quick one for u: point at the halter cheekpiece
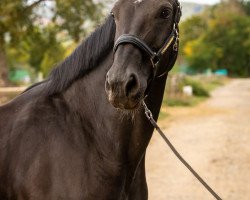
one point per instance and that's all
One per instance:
(155, 56)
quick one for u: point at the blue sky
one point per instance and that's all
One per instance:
(202, 1)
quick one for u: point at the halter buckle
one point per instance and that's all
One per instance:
(155, 59)
(175, 46)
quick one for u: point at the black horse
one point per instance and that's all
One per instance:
(82, 133)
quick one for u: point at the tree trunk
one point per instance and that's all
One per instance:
(4, 81)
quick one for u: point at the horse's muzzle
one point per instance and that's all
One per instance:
(125, 92)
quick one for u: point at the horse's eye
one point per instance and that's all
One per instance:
(165, 13)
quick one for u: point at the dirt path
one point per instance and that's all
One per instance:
(214, 138)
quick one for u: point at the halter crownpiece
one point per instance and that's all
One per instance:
(154, 56)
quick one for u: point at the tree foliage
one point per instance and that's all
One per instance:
(72, 14)
(33, 32)
(41, 50)
(219, 38)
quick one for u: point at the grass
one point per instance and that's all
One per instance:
(163, 115)
(210, 86)
(199, 88)
(183, 101)
(202, 88)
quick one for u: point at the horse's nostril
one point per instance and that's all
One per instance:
(107, 84)
(107, 76)
(131, 85)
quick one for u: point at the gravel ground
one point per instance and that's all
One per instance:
(214, 138)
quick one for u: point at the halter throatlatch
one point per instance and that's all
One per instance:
(154, 56)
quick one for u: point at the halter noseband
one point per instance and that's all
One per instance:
(154, 56)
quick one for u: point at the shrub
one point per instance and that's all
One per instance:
(198, 89)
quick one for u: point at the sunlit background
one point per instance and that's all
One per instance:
(214, 54)
(35, 35)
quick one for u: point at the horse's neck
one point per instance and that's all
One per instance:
(143, 129)
(123, 133)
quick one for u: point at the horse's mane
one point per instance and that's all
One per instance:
(84, 59)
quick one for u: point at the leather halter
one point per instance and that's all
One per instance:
(154, 56)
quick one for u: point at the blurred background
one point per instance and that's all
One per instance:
(206, 108)
(37, 34)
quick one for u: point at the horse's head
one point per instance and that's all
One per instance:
(146, 45)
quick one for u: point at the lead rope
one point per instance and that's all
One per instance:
(149, 115)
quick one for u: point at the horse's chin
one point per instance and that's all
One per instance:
(130, 107)
(125, 104)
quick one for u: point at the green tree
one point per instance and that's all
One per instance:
(233, 39)
(191, 29)
(71, 15)
(13, 21)
(221, 42)
(246, 6)
(40, 50)
(20, 18)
